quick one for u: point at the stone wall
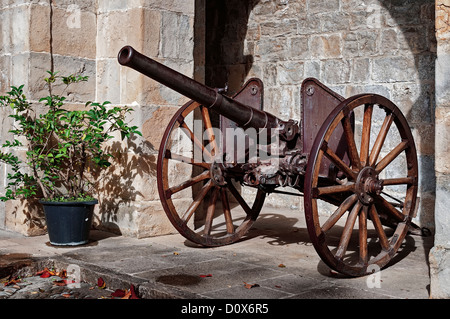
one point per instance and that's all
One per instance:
(72, 36)
(440, 254)
(353, 46)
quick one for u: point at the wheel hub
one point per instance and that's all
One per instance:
(217, 174)
(368, 185)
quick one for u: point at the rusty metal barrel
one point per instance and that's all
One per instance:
(243, 115)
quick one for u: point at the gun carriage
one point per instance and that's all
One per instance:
(353, 159)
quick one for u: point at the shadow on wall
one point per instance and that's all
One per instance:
(226, 30)
(123, 183)
(421, 115)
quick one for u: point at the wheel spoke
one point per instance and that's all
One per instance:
(195, 140)
(334, 189)
(210, 211)
(380, 139)
(365, 136)
(378, 227)
(227, 211)
(349, 135)
(185, 159)
(188, 183)
(331, 155)
(209, 130)
(363, 249)
(391, 156)
(339, 212)
(347, 232)
(239, 198)
(388, 208)
(198, 199)
(398, 181)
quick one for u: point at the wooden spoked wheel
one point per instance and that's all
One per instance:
(203, 202)
(375, 184)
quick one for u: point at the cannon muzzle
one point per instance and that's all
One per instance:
(243, 115)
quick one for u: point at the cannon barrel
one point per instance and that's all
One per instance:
(243, 115)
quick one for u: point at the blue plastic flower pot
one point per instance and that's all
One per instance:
(68, 223)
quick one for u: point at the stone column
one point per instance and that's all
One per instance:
(163, 30)
(440, 254)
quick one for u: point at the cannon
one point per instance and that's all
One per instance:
(352, 159)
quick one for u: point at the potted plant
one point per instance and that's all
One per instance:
(63, 149)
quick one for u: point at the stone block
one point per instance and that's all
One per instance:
(333, 21)
(5, 73)
(290, 73)
(159, 119)
(442, 19)
(108, 81)
(415, 100)
(360, 71)
(138, 27)
(336, 71)
(442, 138)
(177, 35)
(308, 24)
(139, 220)
(40, 63)
(389, 42)
(427, 179)
(326, 46)
(319, 6)
(439, 258)
(74, 33)
(181, 6)
(19, 26)
(394, 69)
(312, 69)
(272, 49)
(111, 35)
(298, 48)
(424, 136)
(153, 221)
(40, 28)
(25, 217)
(442, 79)
(283, 27)
(442, 218)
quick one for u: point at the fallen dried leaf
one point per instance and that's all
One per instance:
(66, 295)
(101, 283)
(127, 295)
(46, 273)
(62, 274)
(133, 292)
(119, 293)
(249, 286)
(13, 281)
(175, 253)
(59, 282)
(282, 266)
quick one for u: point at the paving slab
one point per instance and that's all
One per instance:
(276, 257)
